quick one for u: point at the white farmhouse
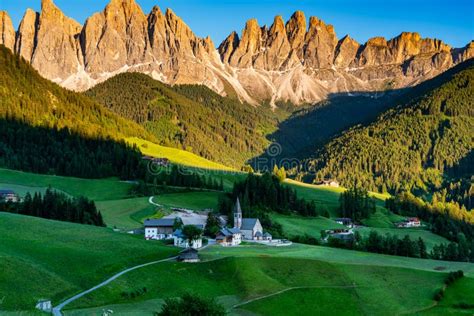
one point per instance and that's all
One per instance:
(159, 228)
(181, 241)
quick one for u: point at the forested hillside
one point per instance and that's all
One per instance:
(414, 146)
(47, 129)
(27, 97)
(190, 117)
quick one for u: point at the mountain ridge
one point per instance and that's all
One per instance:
(299, 61)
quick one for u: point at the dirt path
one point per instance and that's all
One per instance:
(294, 288)
(150, 200)
(57, 310)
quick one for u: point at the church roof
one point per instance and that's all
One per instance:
(248, 223)
(229, 231)
(163, 222)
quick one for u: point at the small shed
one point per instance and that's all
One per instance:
(189, 255)
(44, 305)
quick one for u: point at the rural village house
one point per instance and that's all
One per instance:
(341, 234)
(181, 241)
(8, 196)
(189, 255)
(159, 228)
(409, 222)
(229, 237)
(344, 221)
(329, 183)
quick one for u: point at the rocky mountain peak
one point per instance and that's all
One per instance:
(227, 47)
(300, 61)
(56, 37)
(296, 29)
(278, 25)
(346, 51)
(249, 44)
(7, 32)
(320, 45)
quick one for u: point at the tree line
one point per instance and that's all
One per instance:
(64, 152)
(447, 219)
(56, 206)
(267, 193)
(356, 204)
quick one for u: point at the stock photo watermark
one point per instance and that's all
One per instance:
(273, 156)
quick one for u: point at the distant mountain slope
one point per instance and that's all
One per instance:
(190, 117)
(27, 97)
(411, 146)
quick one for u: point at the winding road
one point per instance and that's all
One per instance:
(150, 200)
(57, 310)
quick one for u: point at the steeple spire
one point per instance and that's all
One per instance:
(237, 215)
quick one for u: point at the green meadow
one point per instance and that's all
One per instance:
(198, 200)
(176, 156)
(269, 285)
(42, 259)
(98, 190)
(335, 255)
(126, 213)
(298, 225)
(429, 238)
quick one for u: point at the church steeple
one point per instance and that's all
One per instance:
(237, 215)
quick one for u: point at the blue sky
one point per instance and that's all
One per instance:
(451, 21)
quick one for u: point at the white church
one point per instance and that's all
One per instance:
(250, 228)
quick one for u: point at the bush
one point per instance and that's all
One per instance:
(190, 305)
(439, 295)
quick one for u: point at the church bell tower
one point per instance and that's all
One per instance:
(237, 215)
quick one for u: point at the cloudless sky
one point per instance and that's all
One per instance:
(449, 20)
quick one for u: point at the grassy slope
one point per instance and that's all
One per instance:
(376, 288)
(130, 213)
(99, 190)
(335, 255)
(176, 156)
(297, 225)
(21, 190)
(461, 292)
(326, 197)
(62, 258)
(191, 200)
(429, 238)
(126, 213)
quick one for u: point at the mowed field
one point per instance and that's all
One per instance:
(42, 259)
(293, 280)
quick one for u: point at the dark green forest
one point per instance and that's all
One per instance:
(63, 152)
(190, 117)
(417, 146)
